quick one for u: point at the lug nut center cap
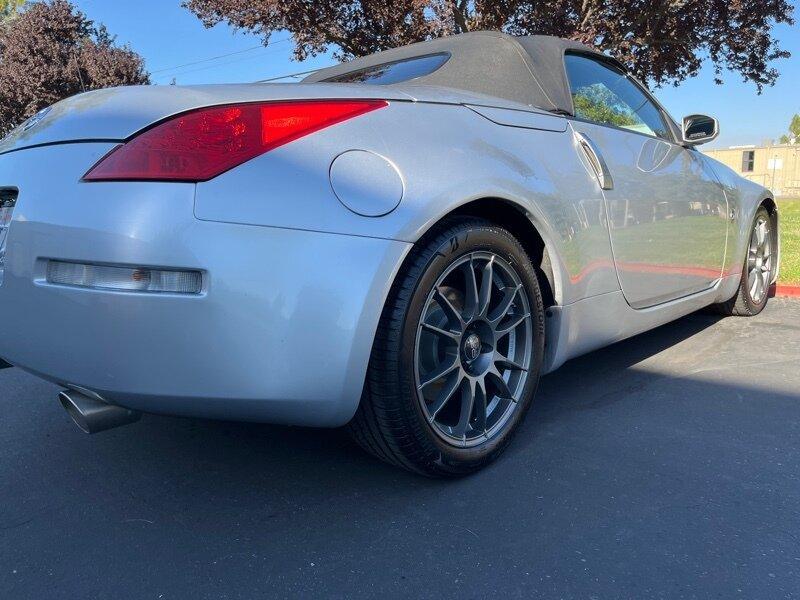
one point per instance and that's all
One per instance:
(472, 347)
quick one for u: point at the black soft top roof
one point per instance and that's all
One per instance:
(525, 69)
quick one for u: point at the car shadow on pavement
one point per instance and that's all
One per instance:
(250, 455)
(644, 458)
(289, 452)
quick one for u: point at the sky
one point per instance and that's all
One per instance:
(175, 44)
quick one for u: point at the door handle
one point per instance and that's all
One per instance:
(595, 158)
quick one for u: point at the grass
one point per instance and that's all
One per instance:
(789, 211)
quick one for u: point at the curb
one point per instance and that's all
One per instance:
(788, 291)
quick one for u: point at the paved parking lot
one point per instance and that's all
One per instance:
(665, 466)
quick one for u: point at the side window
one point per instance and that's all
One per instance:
(748, 161)
(394, 72)
(603, 94)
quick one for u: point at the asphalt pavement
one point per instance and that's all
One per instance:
(666, 466)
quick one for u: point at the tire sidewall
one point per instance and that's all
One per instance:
(471, 238)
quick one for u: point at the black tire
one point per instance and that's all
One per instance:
(743, 304)
(390, 422)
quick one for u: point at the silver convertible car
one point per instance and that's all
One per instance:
(402, 244)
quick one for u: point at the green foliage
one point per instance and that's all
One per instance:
(662, 41)
(9, 8)
(794, 126)
(50, 51)
(597, 103)
(793, 137)
(790, 241)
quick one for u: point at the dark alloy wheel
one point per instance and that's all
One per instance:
(760, 257)
(458, 352)
(473, 348)
(759, 268)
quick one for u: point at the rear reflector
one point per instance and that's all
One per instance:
(202, 144)
(124, 279)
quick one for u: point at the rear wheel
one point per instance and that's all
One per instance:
(758, 270)
(457, 355)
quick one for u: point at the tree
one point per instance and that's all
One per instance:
(662, 41)
(794, 132)
(597, 103)
(51, 51)
(9, 8)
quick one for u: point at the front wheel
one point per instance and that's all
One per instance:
(758, 271)
(457, 355)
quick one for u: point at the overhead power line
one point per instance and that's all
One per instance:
(207, 67)
(213, 58)
(289, 76)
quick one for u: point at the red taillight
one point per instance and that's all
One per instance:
(202, 144)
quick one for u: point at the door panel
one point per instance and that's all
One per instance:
(667, 216)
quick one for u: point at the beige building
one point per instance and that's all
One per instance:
(775, 167)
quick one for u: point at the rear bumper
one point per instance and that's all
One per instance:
(281, 332)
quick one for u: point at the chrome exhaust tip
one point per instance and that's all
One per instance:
(92, 415)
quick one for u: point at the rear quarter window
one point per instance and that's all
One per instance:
(394, 72)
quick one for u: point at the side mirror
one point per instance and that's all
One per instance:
(699, 129)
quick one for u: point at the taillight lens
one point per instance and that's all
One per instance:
(202, 144)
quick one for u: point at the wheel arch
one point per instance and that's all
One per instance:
(521, 224)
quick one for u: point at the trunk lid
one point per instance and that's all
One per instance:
(116, 114)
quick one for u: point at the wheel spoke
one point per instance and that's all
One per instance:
(450, 311)
(445, 394)
(505, 304)
(752, 256)
(752, 282)
(471, 299)
(451, 335)
(754, 242)
(480, 406)
(756, 295)
(507, 363)
(485, 294)
(467, 404)
(444, 369)
(516, 321)
(499, 383)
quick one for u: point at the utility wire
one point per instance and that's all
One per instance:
(197, 62)
(207, 67)
(212, 58)
(290, 75)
